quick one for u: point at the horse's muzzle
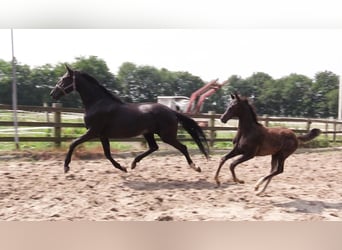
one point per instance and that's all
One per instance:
(223, 119)
(55, 94)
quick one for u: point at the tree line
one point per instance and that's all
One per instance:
(294, 95)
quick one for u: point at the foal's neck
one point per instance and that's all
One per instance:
(247, 120)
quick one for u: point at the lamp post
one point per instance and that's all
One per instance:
(14, 95)
(340, 100)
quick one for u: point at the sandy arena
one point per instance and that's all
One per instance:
(164, 188)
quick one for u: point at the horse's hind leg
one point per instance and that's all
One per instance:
(182, 148)
(106, 150)
(152, 147)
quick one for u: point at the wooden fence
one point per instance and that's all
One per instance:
(331, 128)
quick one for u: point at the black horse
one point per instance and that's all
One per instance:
(107, 116)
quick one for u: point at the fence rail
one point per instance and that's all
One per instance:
(330, 127)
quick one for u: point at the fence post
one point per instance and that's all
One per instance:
(45, 105)
(266, 122)
(57, 121)
(308, 125)
(212, 125)
(335, 130)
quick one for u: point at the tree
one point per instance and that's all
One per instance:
(145, 83)
(44, 79)
(186, 83)
(293, 95)
(140, 84)
(271, 99)
(97, 68)
(296, 95)
(325, 89)
(5, 82)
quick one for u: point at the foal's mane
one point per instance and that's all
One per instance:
(251, 108)
(94, 81)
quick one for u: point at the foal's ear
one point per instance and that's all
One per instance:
(70, 71)
(237, 97)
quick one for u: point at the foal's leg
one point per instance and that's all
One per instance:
(152, 147)
(232, 166)
(106, 150)
(274, 164)
(278, 170)
(232, 153)
(86, 137)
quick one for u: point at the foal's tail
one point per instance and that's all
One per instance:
(309, 136)
(195, 131)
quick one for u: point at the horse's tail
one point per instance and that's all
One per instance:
(195, 131)
(309, 136)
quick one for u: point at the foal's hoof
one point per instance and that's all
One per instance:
(193, 166)
(260, 193)
(134, 164)
(66, 169)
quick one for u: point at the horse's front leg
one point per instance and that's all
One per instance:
(86, 137)
(106, 150)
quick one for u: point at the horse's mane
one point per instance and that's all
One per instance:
(251, 108)
(93, 80)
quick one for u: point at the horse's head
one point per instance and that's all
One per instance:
(65, 85)
(233, 108)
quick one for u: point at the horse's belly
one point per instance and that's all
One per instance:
(125, 133)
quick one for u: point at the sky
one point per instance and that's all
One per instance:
(210, 39)
(207, 53)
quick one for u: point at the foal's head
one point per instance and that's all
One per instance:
(237, 107)
(65, 85)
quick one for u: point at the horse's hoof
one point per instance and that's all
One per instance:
(66, 169)
(239, 181)
(123, 169)
(193, 166)
(133, 165)
(218, 183)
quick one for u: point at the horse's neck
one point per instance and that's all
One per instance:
(91, 93)
(247, 121)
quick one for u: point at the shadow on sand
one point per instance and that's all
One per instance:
(307, 206)
(170, 184)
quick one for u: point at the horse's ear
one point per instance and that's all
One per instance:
(70, 71)
(232, 96)
(237, 97)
